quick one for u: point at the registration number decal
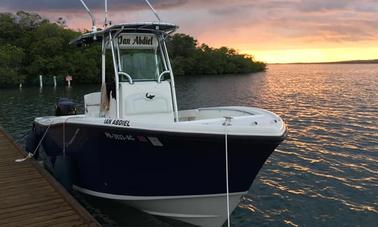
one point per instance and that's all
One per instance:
(141, 139)
(120, 137)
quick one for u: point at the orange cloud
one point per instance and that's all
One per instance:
(271, 30)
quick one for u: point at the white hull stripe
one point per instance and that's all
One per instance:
(126, 197)
(174, 215)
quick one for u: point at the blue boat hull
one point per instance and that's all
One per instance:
(134, 162)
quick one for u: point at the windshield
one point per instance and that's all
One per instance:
(141, 64)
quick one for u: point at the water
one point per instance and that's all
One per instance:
(324, 174)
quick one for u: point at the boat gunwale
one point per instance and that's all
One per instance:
(277, 138)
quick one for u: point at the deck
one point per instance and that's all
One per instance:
(29, 196)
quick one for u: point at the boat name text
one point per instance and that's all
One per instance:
(137, 40)
(117, 122)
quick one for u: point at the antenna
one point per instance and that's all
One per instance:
(153, 10)
(106, 13)
(94, 29)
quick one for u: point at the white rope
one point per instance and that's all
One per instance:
(226, 123)
(227, 185)
(30, 155)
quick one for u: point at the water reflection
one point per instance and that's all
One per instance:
(328, 164)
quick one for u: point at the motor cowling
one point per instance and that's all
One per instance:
(65, 106)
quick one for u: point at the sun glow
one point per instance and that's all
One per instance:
(314, 55)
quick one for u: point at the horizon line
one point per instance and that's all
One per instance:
(357, 61)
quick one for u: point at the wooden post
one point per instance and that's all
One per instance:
(40, 81)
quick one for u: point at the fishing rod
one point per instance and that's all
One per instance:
(153, 10)
(94, 28)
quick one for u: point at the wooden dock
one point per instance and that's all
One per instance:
(30, 196)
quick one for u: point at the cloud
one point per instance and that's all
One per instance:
(311, 20)
(59, 5)
(323, 5)
(243, 24)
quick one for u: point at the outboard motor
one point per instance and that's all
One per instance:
(65, 106)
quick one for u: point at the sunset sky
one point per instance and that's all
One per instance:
(274, 31)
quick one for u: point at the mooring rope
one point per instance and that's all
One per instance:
(227, 185)
(30, 155)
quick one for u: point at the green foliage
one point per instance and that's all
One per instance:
(191, 59)
(10, 65)
(31, 46)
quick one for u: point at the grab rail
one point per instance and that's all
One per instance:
(127, 76)
(161, 75)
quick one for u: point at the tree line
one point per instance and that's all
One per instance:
(189, 58)
(31, 45)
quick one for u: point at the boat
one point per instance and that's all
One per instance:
(134, 146)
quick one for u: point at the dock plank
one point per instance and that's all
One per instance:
(31, 197)
(48, 205)
(37, 215)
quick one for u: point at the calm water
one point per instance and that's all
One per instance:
(325, 173)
